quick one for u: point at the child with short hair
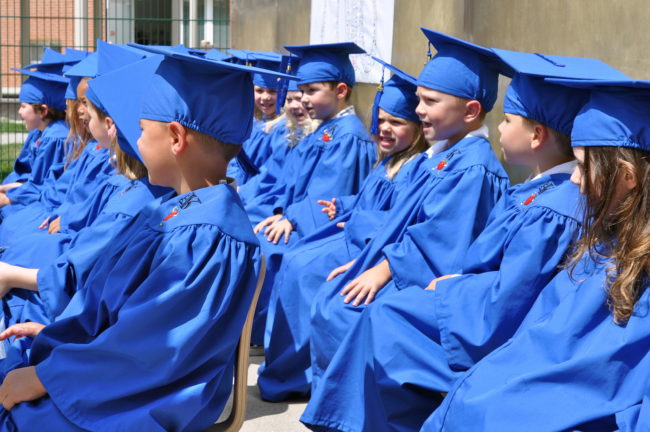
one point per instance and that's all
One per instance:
(42, 108)
(472, 313)
(184, 270)
(448, 204)
(331, 161)
(580, 356)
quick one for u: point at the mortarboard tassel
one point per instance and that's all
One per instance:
(246, 164)
(374, 125)
(283, 86)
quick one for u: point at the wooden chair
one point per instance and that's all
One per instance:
(236, 418)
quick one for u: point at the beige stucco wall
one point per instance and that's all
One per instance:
(611, 30)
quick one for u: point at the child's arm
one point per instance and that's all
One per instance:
(16, 277)
(329, 208)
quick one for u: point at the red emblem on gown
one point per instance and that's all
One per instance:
(97, 147)
(327, 137)
(38, 143)
(441, 165)
(530, 199)
(173, 213)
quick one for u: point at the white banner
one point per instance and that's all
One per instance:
(368, 23)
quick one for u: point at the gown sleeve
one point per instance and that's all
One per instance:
(476, 313)
(437, 245)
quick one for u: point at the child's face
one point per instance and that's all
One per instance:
(155, 149)
(442, 114)
(82, 106)
(319, 99)
(395, 133)
(99, 128)
(295, 108)
(265, 100)
(515, 138)
(32, 119)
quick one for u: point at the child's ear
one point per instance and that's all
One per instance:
(627, 176)
(342, 90)
(178, 135)
(44, 111)
(110, 127)
(539, 133)
(472, 110)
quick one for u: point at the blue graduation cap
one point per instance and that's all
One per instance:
(215, 54)
(109, 57)
(396, 96)
(261, 59)
(121, 92)
(553, 105)
(615, 115)
(461, 69)
(53, 61)
(217, 100)
(43, 88)
(326, 62)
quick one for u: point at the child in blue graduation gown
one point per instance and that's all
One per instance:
(52, 62)
(580, 357)
(182, 271)
(286, 370)
(258, 146)
(42, 107)
(331, 161)
(469, 315)
(450, 201)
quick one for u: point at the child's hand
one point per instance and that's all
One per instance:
(341, 225)
(6, 187)
(27, 329)
(433, 283)
(330, 207)
(277, 230)
(4, 200)
(340, 270)
(55, 226)
(44, 224)
(367, 284)
(21, 385)
(266, 222)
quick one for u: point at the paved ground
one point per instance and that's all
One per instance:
(269, 417)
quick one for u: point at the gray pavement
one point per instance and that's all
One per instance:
(265, 416)
(12, 138)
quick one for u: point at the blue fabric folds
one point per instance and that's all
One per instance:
(183, 273)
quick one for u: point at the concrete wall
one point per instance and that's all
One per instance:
(611, 30)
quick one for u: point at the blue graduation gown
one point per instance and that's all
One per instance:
(568, 367)
(48, 155)
(635, 418)
(334, 161)
(76, 183)
(286, 370)
(156, 325)
(62, 256)
(461, 186)
(74, 215)
(271, 169)
(23, 163)
(258, 148)
(438, 334)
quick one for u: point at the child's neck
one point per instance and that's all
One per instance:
(44, 124)
(545, 164)
(340, 106)
(463, 133)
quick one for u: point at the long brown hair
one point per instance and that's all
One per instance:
(78, 133)
(622, 236)
(419, 145)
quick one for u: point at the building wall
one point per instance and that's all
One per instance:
(611, 30)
